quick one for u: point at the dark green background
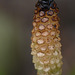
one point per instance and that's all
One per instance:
(15, 32)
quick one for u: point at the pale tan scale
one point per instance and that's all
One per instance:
(57, 60)
(41, 27)
(50, 13)
(42, 13)
(41, 63)
(46, 62)
(59, 65)
(32, 44)
(47, 69)
(33, 52)
(60, 57)
(57, 39)
(40, 68)
(34, 24)
(34, 39)
(55, 53)
(35, 28)
(37, 19)
(45, 19)
(50, 26)
(43, 48)
(35, 11)
(57, 73)
(36, 46)
(38, 34)
(58, 45)
(52, 61)
(40, 54)
(45, 33)
(51, 47)
(53, 67)
(49, 54)
(33, 31)
(40, 41)
(53, 33)
(48, 40)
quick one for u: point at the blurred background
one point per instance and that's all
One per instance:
(16, 18)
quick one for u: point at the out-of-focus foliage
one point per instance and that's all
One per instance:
(72, 72)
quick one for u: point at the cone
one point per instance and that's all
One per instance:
(46, 46)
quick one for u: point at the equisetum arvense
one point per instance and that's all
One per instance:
(46, 46)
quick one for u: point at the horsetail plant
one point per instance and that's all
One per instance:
(46, 46)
